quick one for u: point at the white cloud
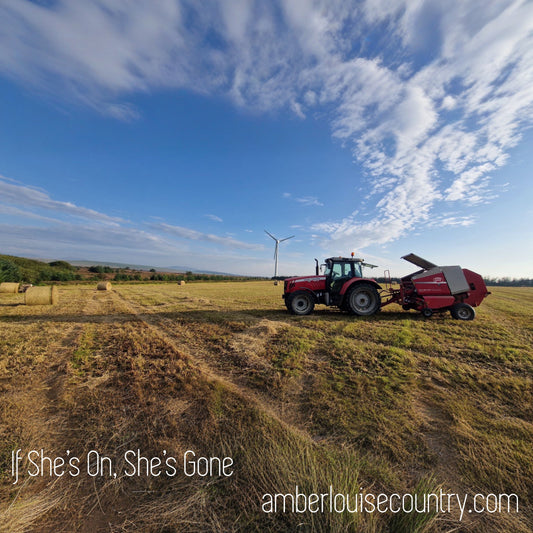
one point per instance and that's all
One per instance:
(449, 102)
(451, 220)
(388, 84)
(193, 235)
(461, 188)
(309, 201)
(80, 232)
(402, 140)
(304, 200)
(110, 45)
(214, 218)
(71, 230)
(236, 16)
(69, 240)
(12, 211)
(14, 193)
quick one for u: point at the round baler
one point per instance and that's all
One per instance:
(439, 289)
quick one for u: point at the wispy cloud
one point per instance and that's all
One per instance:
(309, 201)
(305, 200)
(12, 211)
(84, 242)
(85, 231)
(214, 218)
(17, 194)
(70, 230)
(428, 114)
(193, 235)
(451, 220)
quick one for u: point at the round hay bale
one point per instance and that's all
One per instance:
(181, 282)
(104, 286)
(11, 288)
(41, 295)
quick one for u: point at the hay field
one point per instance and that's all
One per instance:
(393, 403)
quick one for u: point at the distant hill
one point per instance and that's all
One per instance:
(124, 265)
(179, 269)
(199, 271)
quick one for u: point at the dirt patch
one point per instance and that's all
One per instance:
(435, 433)
(250, 346)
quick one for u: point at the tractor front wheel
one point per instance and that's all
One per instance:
(363, 299)
(462, 311)
(301, 303)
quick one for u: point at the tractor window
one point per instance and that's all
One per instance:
(357, 270)
(341, 270)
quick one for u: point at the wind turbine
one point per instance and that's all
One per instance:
(276, 250)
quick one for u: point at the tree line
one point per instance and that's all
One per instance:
(19, 269)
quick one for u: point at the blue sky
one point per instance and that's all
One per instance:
(174, 133)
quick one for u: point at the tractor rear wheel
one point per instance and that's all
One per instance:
(462, 311)
(363, 299)
(301, 303)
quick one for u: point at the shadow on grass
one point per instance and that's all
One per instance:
(218, 316)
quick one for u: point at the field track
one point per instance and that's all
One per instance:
(392, 402)
(184, 338)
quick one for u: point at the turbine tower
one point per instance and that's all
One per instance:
(276, 250)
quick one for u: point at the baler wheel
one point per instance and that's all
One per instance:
(462, 311)
(301, 303)
(427, 312)
(363, 299)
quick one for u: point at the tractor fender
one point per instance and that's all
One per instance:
(350, 283)
(304, 289)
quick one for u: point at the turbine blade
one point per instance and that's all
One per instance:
(287, 238)
(270, 234)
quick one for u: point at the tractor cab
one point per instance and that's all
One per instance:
(338, 271)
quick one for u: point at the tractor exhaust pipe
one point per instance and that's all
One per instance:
(317, 269)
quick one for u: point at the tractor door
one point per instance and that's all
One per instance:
(337, 274)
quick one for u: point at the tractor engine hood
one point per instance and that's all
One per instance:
(312, 283)
(305, 279)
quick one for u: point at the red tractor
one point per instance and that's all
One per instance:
(342, 285)
(429, 290)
